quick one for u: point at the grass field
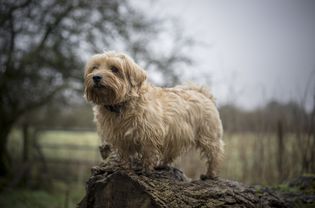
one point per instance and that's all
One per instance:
(57, 192)
(249, 157)
(62, 138)
(83, 139)
(238, 150)
(242, 153)
(59, 195)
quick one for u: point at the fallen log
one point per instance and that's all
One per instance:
(110, 185)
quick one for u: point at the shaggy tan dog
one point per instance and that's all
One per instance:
(151, 123)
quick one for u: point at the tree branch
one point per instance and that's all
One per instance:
(51, 26)
(35, 104)
(11, 43)
(10, 11)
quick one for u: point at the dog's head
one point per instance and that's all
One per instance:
(111, 78)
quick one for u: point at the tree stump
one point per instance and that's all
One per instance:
(113, 186)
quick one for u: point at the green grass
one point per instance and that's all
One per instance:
(60, 138)
(31, 199)
(75, 138)
(249, 157)
(68, 137)
(242, 153)
(60, 195)
(50, 192)
(237, 153)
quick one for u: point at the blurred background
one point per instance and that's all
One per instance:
(257, 57)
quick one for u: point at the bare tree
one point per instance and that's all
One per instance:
(42, 44)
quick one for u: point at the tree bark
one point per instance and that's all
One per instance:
(113, 186)
(280, 150)
(5, 128)
(26, 142)
(26, 167)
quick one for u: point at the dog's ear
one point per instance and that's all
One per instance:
(135, 73)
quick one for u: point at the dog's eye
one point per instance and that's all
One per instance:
(114, 69)
(94, 67)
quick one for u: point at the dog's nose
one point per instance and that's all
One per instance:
(97, 78)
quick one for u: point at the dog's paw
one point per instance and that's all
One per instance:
(162, 167)
(207, 177)
(139, 171)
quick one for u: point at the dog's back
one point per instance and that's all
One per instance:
(200, 89)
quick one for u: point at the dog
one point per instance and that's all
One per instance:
(152, 124)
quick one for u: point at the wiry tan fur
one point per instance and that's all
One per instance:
(155, 124)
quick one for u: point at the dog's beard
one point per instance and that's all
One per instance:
(101, 94)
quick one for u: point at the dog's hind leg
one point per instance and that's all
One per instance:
(212, 151)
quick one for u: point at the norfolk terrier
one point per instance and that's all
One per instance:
(151, 123)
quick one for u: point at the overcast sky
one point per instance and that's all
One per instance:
(255, 50)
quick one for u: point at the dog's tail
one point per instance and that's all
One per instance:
(201, 89)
